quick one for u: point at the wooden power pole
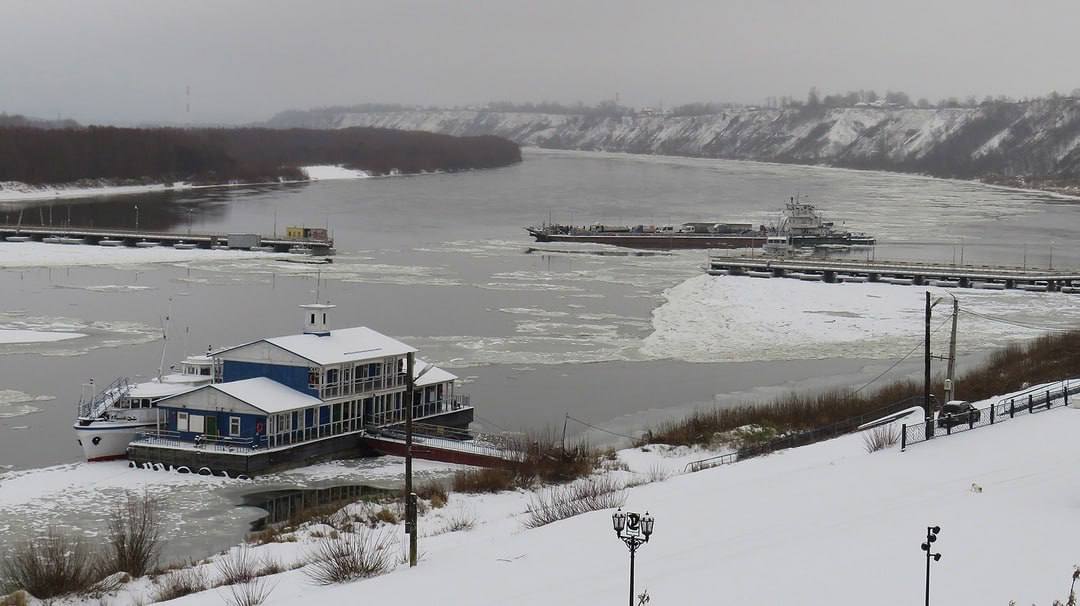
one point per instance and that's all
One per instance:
(410, 496)
(928, 416)
(950, 381)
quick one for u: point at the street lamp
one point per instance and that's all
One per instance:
(931, 536)
(634, 530)
(136, 217)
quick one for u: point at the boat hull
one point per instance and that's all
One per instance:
(105, 441)
(672, 241)
(662, 242)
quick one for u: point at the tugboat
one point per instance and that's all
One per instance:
(110, 419)
(800, 222)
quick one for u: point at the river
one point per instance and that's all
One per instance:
(441, 261)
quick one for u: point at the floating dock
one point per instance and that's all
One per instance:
(898, 272)
(317, 244)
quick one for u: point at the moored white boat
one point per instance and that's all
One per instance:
(108, 242)
(110, 419)
(17, 238)
(146, 244)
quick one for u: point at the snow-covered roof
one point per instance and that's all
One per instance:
(343, 345)
(266, 394)
(431, 377)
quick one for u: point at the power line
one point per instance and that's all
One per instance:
(590, 425)
(906, 356)
(1016, 323)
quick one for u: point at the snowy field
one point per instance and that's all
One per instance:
(734, 318)
(40, 254)
(824, 524)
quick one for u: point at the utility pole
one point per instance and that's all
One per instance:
(410, 496)
(950, 381)
(927, 414)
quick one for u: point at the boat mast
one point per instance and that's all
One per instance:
(164, 340)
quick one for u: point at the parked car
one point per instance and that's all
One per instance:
(958, 412)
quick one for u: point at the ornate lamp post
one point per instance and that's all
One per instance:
(931, 536)
(634, 530)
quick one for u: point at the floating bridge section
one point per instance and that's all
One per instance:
(123, 237)
(898, 272)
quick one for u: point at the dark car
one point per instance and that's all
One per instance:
(958, 412)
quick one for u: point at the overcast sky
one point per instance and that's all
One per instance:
(129, 61)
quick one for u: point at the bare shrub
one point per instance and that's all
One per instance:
(574, 499)
(270, 534)
(270, 566)
(180, 583)
(881, 437)
(49, 566)
(351, 556)
(460, 520)
(434, 492)
(239, 566)
(386, 515)
(251, 593)
(657, 473)
(134, 535)
(483, 480)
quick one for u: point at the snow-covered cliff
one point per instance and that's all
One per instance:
(1033, 139)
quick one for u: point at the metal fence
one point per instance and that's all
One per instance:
(1034, 400)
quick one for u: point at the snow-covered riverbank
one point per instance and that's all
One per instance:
(13, 191)
(828, 523)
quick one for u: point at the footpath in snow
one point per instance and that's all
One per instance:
(823, 524)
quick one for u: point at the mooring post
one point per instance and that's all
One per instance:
(903, 437)
(993, 407)
(1012, 408)
(1031, 403)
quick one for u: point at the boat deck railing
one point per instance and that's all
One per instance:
(174, 439)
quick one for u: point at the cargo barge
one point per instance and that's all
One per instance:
(800, 222)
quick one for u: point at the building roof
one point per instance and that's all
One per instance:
(267, 395)
(343, 345)
(430, 377)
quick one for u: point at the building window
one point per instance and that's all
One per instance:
(196, 423)
(234, 426)
(181, 421)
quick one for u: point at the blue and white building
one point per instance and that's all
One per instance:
(283, 400)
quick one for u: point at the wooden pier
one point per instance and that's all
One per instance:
(898, 272)
(133, 238)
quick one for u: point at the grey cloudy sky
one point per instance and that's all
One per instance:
(129, 61)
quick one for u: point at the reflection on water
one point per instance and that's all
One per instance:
(284, 505)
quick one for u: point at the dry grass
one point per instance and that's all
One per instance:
(881, 437)
(53, 565)
(180, 583)
(251, 593)
(1044, 359)
(240, 565)
(134, 535)
(559, 503)
(15, 599)
(544, 461)
(435, 493)
(483, 480)
(460, 520)
(351, 556)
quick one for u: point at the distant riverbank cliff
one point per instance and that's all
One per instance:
(1034, 144)
(109, 155)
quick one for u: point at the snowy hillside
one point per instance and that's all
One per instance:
(823, 524)
(1039, 138)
